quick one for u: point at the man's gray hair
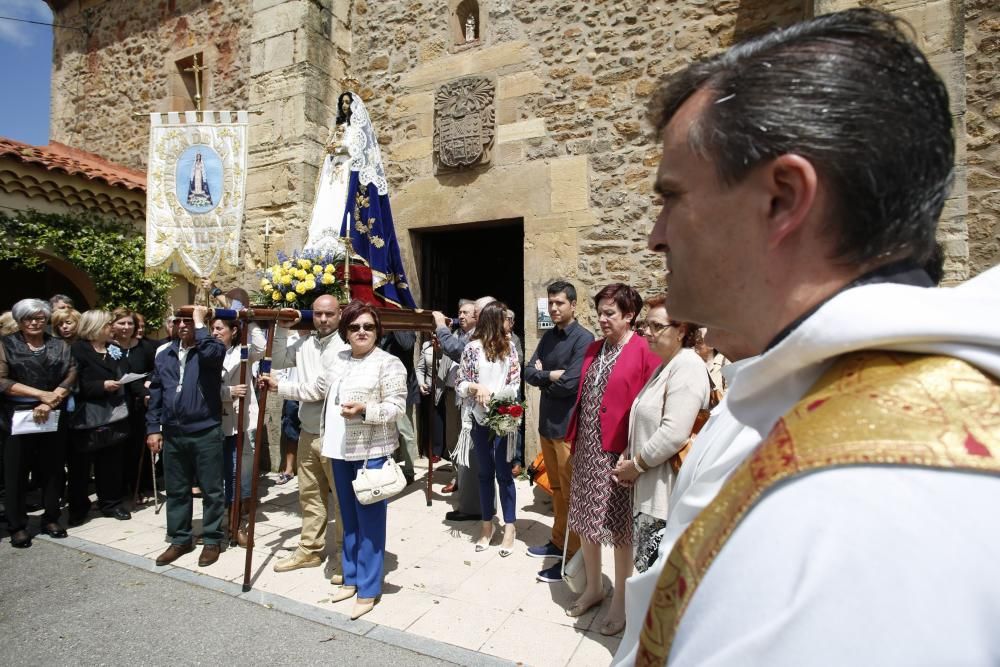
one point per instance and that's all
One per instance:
(56, 298)
(465, 302)
(481, 303)
(510, 315)
(28, 307)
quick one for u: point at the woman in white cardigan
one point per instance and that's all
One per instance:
(363, 392)
(660, 422)
(228, 331)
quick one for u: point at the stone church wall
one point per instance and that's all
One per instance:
(127, 64)
(982, 50)
(573, 81)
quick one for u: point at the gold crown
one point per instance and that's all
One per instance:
(349, 84)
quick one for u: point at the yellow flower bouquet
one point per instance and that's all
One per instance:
(296, 280)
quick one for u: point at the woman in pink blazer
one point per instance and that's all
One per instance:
(614, 371)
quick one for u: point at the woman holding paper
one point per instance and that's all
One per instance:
(138, 356)
(100, 427)
(37, 373)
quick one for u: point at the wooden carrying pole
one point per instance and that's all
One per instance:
(265, 371)
(234, 510)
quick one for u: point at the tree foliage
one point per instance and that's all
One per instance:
(109, 251)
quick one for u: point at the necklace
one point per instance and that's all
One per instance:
(607, 359)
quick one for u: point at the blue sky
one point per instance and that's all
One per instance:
(26, 54)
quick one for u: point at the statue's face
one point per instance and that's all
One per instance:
(345, 104)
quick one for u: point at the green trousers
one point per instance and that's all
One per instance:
(190, 459)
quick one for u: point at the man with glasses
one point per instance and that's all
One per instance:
(310, 354)
(555, 369)
(184, 419)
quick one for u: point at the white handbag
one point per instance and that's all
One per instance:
(374, 484)
(574, 573)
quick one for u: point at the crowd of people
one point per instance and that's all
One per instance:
(846, 414)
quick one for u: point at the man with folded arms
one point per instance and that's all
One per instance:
(555, 369)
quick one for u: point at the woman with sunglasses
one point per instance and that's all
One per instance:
(660, 422)
(364, 391)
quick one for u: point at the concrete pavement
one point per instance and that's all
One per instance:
(437, 588)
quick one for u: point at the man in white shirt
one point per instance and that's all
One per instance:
(809, 167)
(310, 354)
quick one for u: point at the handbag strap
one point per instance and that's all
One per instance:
(565, 549)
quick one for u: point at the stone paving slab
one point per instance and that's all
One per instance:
(437, 587)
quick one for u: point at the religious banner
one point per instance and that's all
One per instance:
(195, 188)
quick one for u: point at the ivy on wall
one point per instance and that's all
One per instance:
(109, 251)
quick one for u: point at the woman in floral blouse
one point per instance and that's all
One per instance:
(489, 369)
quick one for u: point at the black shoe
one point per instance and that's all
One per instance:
(409, 478)
(551, 574)
(54, 530)
(455, 515)
(20, 540)
(118, 513)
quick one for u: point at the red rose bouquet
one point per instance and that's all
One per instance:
(505, 415)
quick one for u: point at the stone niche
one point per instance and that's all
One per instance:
(465, 24)
(464, 124)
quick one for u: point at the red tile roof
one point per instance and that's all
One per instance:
(60, 157)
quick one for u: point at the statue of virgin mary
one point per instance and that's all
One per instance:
(352, 202)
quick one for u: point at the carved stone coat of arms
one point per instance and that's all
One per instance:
(464, 122)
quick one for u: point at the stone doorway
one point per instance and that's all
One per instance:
(471, 260)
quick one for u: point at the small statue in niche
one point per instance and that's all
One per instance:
(470, 28)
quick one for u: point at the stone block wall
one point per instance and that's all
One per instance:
(982, 77)
(573, 81)
(125, 64)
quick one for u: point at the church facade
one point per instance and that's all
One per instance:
(513, 131)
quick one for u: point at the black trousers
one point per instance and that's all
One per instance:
(109, 477)
(45, 455)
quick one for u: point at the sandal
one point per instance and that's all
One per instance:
(285, 478)
(612, 628)
(578, 608)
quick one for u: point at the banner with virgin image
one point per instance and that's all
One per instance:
(195, 187)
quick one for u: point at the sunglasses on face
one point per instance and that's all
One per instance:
(355, 328)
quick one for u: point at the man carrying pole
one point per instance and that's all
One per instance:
(310, 354)
(183, 420)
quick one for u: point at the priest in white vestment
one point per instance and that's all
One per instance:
(808, 169)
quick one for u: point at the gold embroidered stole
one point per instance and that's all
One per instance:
(869, 408)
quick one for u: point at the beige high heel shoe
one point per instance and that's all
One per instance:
(362, 606)
(507, 547)
(343, 593)
(484, 542)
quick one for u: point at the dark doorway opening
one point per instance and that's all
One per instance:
(41, 283)
(470, 261)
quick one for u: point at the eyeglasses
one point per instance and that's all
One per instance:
(655, 327)
(34, 319)
(355, 328)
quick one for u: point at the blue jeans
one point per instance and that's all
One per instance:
(229, 463)
(491, 452)
(363, 551)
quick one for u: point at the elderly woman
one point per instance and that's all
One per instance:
(64, 324)
(490, 367)
(37, 373)
(364, 391)
(100, 426)
(662, 418)
(615, 369)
